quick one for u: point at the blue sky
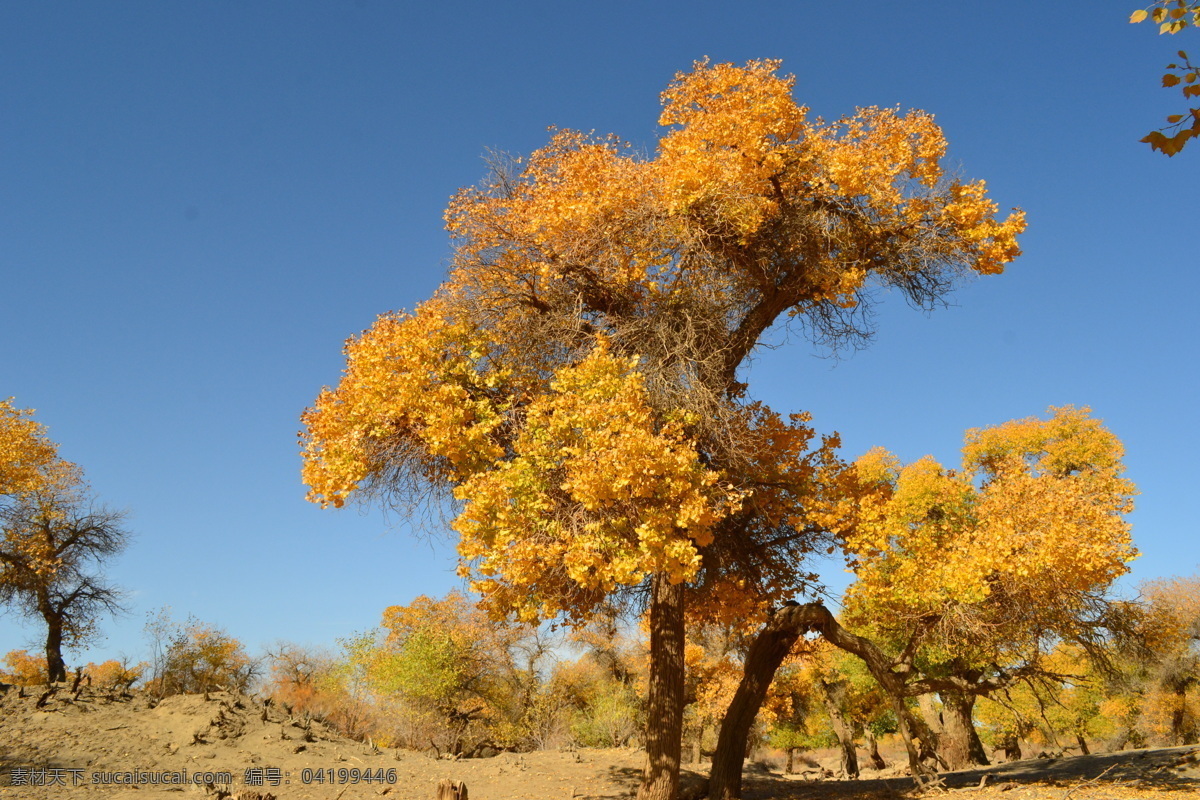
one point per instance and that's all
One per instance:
(202, 200)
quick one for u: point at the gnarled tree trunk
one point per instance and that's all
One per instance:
(929, 712)
(56, 668)
(767, 652)
(664, 726)
(960, 745)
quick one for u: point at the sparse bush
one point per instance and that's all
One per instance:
(196, 657)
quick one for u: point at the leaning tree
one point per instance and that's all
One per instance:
(575, 385)
(965, 580)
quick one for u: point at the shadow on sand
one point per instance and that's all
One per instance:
(1171, 769)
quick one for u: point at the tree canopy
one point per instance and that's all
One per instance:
(55, 543)
(575, 381)
(53, 538)
(985, 562)
(26, 453)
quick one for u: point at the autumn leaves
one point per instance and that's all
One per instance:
(573, 382)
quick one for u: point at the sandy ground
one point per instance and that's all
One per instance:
(98, 746)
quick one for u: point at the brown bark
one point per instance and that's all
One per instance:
(834, 695)
(960, 745)
(929, 713)
(1012, 747)
(56, 668)
(1083, 748)
(766, 653)
(664, 727)
(873, 750)
(451, 790)
(1181, 732)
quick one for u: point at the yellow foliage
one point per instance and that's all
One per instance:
(25, 450)
(593, 487)
(24, 669)
(113, 674)
(32, 475)
(998, 553)
(573, 383)
(201, 658)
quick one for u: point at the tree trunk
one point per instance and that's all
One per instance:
(56, 668)
(908, 736)
(932, 717)
(834, 695)
(664, 727)
(766, 653)
(791, 762)
(1181, 732)
(1012, 747)
(697, 746)
(1083, 748)
(960, 745)
(873, 750)
(451, 790)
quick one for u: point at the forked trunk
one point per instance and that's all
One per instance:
(767, 652)
(960, 745)
(664, 727)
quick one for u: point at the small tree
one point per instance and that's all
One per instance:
(452, 663)
(196, 657)
(298, 676)
(55, 543)
(114, 675)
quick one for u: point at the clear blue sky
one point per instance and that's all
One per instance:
(202, 200)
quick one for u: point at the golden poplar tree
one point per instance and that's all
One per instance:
(575, 384)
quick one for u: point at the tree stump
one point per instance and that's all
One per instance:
(451, 790)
